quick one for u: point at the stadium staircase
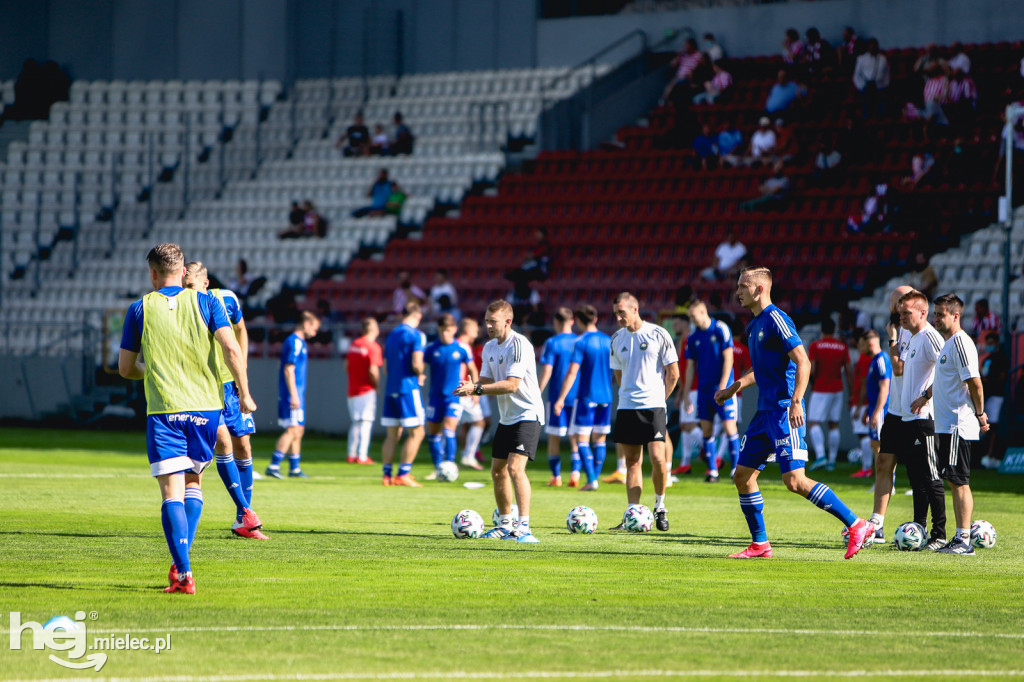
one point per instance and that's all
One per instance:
(639, 217)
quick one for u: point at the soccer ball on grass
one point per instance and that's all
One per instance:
(581, 520)
(638, 518)
(448, 471)
(910, 537)
(983, 534)
(467, 524)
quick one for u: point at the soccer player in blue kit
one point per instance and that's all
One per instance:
(403, 406)
(781, 370)
(590, 371)
(291, 397)
(554, 363)
(709, 350)
(447, 360)
(176, 329)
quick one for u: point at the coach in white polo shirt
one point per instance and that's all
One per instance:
(509, 371)
(959, 414)
(919, 451)
(645, 364)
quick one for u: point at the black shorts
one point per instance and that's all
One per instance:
(520, 438)
(954, 458)
(919, 447)
(893, 436)
(640, 427)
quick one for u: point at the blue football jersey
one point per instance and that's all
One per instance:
(772, 335)
(445, 362)
(593, 353)
(402, 342)
(880, 368)
(557, 353)
(293, 352)
(705, 348)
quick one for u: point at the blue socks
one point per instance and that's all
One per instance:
(577, 462)
(822, 497)
(588, 461)
(734, 450)
(436, 445)
(451, 445)
(555, 464)
(711, 451)
(387, 470)
(193, 510)
(244, 467)
(293, 463)
(600, 452)
(230, 475)
(175, 523)
(752, 505)
(404, 469)
(276, 459)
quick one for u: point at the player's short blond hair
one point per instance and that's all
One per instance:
(626, 297)
(908, 298)
(367, 324)
(194, 271)
(466, 323)
(758, 273)
(166, 258)
(501, 308)
(308, 316)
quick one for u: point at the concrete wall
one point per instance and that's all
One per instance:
(758, 30)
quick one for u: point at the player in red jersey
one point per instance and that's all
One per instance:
(858, 408)
(829, 359)
(362, 364)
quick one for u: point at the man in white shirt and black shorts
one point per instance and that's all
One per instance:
(919, 451)
(645, 364)
(959, 414)
(509, 371)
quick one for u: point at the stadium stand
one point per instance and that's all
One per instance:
(642, 218)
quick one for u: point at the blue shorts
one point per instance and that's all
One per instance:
(403, 409)
(443, 407)
(588, 417)
(770, 438)
(875, 435)
(231, 416)
(181, 441)
(707, 408)
(286, 416)
(558, 424)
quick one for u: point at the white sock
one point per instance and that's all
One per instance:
(818, 442)
(833, 445)
(686, 448)
(473, 436)
(965, 533)
(353, 439)
(867, 455)
(659, 502)
(365, 435)
(878, 520)
(505, 520)
(620, 465)
(524, 522)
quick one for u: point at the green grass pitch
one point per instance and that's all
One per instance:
(361, 582)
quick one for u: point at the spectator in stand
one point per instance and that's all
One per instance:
(959, 61)
(783, 93)
(871, 79)
(984, 320)
(534, 268)
(716, 87)
(295, 220)
(380, 194)
(356, 139)
(936, 94)
(527, 307)
(827, 164)
(762, 143)
(929, 61)
(786, 148)
(994, 366)
(706, 154)
(685, 63)
(924, 278)
(792, 48)
(442, 287)
(849, 49)
(818, 54)
(921, 166)
(405, 291)
(727, 255)
(962, 99)
(874, 215)
(712, 49)
(401, 136)
(313, 224)
(729, 142)
(773, 193)
(380, 145)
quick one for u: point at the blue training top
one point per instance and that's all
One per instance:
(445, 362)
(881, 368)
(293, 352)
(705, 348)
(402, 342)
(557, 353)
(772, 335)
(593, 353)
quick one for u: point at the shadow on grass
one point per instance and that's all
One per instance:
(92, 587)
(65, 534)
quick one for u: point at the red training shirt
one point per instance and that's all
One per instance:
(860, 375)
(830, 356)
(362, 355)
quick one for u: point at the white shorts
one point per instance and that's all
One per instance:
(296, 417)
(472, 412)
(692, 417)
(363, 407)
(825, 407)
(856, 415)
(993, 406)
